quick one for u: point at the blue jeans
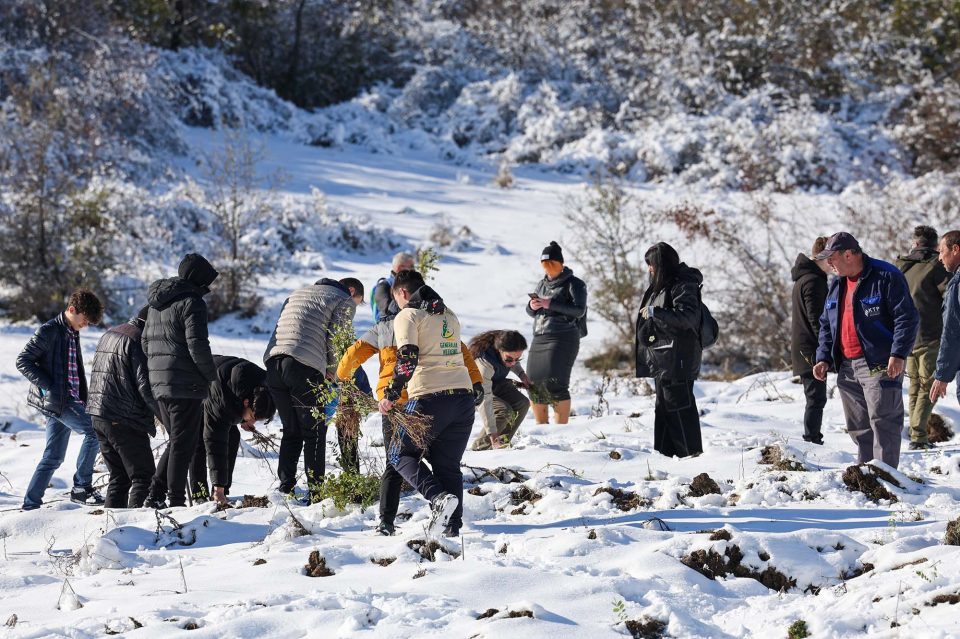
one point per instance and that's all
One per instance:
(74, 418)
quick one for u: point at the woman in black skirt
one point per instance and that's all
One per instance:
(668, 349)
(559, 312)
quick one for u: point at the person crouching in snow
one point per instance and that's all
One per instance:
(239, 397)
(430, 366)
(498, 353)
(379, 340)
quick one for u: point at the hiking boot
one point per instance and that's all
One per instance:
(153, 502)
(386, 529)
(921, 446)
(442, 508)
(86, 496)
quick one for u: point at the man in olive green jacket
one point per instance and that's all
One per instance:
(927, 279)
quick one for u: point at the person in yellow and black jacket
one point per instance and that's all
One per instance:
(430, 366)
(379, 340)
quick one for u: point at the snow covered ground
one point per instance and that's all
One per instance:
(552, 554)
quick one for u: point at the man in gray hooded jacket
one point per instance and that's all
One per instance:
(300, 359)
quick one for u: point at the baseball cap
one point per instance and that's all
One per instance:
(841, 241)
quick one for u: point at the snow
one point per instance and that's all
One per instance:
(569, 557)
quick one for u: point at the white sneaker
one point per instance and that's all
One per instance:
(442, 508)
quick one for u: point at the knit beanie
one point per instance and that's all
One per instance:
(552, 252)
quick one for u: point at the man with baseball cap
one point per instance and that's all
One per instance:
(867, 330)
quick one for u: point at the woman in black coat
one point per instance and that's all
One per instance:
(559, 311)
(668, 349)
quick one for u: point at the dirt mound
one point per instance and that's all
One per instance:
(524, 494)
(952, 538)
(383, 561)
(252, 501)
(773, 456)
(317, 566)
(866, 479)
(429, 549)
(712, 564)
(646, 628)
(623, 499)
(513, 614)
(721, 534)
(702, 485)
(938, 429)
(947, 599)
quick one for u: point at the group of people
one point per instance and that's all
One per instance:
(159, 366)
(873, 323)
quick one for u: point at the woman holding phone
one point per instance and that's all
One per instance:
(559, 311)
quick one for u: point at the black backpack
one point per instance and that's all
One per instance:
(709, 329)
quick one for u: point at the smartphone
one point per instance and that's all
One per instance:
(533, 296)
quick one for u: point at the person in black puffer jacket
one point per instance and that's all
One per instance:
(559, 309)
(123, 408)
(181, 368)
(668, 349)
(809, 295)
(239, 397)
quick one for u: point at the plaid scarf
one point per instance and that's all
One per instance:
(73, 372)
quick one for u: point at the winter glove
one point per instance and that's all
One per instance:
(477, 394)
(646, 312)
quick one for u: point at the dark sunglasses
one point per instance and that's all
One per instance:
(510, 360)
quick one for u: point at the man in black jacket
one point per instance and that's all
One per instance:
(53, 364)
(181, 369)
(239, 396)
(122, 407)
(809, 294)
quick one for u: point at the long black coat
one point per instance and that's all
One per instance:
(43, 362)
(176, 342)
(119, 381)
(568, 304)
(809, 295)
(667, 345)
(223, 410)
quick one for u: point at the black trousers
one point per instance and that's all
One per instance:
(183, 419)
(217, 450)
(294, 389)
(676, 425)
(126, 451)
(391, 481)
(452, 419)
(816, 394)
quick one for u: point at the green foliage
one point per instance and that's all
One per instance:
(349, 488)
(427, 262)
(620, 609)
(798, 630)
(540, 394)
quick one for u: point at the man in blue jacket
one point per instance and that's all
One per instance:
(948, 359)
(867, 330)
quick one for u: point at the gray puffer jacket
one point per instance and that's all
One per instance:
(306, 322)
(568, 304)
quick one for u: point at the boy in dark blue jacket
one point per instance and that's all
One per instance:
(53, 363)
(867, 330)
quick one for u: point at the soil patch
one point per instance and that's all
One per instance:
(615, 455)
(476, 491)
(383, 561)
(773, 456)
(516, 614)
(646, 628)
(252, 501)
(721, 535)
(317, 566)
(866, 479)
(702, 485)
(712, 564)
(259, 562)
(489, 613)
(524, 494)
(938, 429)
(623, 499)
(952, 538)
(945, 599)
(429, 549)
(862, 569)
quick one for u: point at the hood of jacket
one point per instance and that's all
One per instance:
(163, 293)
(688, 274)
(919, 254)
(326, 281)
(805, 266)
(196, 269)
(427, 299)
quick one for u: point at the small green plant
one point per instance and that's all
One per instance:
(620, 609)
(798, 630)
(540, 395)
(349, 488)
(427, 262)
